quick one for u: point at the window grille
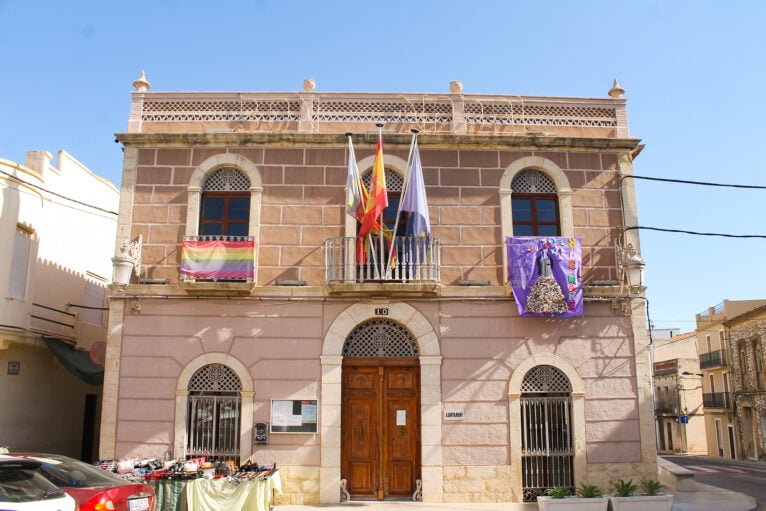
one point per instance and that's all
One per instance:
(213, 411)
(547, 454)
(545, 379)
(226, 179)
(393, 181)
(378, 338)
(215, 378)
(532, 181)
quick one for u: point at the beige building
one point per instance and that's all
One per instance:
(717, 383)
(57, 222)
(747, 336)
(678, 395)
(419, 382)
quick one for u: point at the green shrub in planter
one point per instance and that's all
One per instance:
(651, 487)
(623, 488)
(588, 491)
(558, 492)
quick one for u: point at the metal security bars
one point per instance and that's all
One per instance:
(546, 449)
(213, 429)
(715, 358)
(354, 259)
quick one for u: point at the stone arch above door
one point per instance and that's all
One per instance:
(403, 313)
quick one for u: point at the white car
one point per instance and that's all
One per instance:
(22, 488)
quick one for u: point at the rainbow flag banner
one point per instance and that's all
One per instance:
(218, 259)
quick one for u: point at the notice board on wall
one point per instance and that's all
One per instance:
(294, 416)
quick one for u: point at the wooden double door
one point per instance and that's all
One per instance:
(380, 428)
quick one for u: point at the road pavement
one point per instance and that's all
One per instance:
(748, 477)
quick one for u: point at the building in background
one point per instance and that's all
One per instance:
(678, 395)
(747, 337)
(262, 326)
(57, 224)
(717, 382)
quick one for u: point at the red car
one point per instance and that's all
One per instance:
(94, 489)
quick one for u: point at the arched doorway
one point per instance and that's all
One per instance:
(547, 447)
(213, 413)
(380, 412)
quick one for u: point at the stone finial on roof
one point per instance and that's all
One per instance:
(142, 84)
(616, 91)
(309, 84)
(456, 87)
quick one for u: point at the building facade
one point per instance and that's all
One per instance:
(716, 363)
(678, 395)
(747, 335)
(56, 227)
(422, 383)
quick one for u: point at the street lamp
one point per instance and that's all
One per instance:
(634, 264)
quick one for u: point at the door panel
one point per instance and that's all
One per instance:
(380, 429)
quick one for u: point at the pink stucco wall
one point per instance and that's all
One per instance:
(281, 342)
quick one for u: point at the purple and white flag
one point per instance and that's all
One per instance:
(414, 201)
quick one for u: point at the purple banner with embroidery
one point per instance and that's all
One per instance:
(545, 275)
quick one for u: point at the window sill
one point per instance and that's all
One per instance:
(210, 288)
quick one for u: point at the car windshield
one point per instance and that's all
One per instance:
(70, 473)
(25, 485)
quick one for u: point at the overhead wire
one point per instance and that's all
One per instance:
(16, 178)
(698, 183)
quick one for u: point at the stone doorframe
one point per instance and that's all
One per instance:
(246, 412)
(430, 396)
(578, 416)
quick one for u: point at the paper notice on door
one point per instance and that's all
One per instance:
(401, 417)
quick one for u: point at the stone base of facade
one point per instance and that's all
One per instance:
(490, 483)
(300, 486)
(600, 474)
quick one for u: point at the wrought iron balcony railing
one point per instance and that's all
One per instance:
(713, 359)
(218, 258)
(414, 259)
(666, 407)
(717, 400)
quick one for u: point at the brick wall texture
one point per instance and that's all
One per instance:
(303, 205)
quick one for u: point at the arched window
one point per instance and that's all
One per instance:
(535, 205)
(225, 204)
(547, 446)
(213, 413)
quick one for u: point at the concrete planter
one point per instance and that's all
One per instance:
(641, 503)
(572, 503)
(123, 269)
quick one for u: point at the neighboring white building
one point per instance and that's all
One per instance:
(57, 230)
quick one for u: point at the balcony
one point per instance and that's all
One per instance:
(363, 266)
(219, 265)
(713, 359)
(666, 407)
(717, 400)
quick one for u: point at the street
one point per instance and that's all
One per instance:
(744, 476)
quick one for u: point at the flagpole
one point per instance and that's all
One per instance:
(405, 184)
(383, 265)
(363, 202)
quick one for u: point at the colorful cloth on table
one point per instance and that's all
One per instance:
(169, 495)
(221, 495)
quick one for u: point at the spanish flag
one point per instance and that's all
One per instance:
(378, 198)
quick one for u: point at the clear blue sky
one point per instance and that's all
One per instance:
(693, 71)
